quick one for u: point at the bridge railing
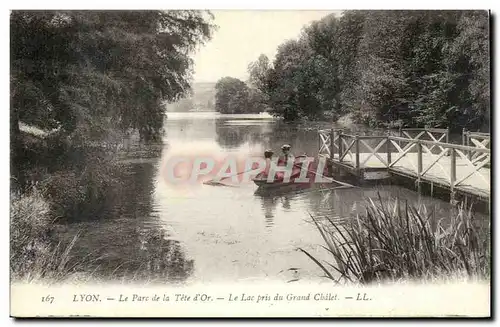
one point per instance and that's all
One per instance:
(330, 145)
(471, 173)
(361, 150)
(432, 134)
(427, 134)
(476, 139)
(329, 138)
(348, 148)
(329, 141)
(325, 142)
(455, 165)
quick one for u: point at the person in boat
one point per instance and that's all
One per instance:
(286, 159)
(268, 154)
(285, 156)
(297, 160)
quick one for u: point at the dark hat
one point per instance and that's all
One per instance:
(268, 153)
(285, 146)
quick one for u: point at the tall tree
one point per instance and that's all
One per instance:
(411, 67)
(470, 50)
(231, 96)
(83, 71)
(258, 72)
(350, 33)
(322, 36)
(296, 81)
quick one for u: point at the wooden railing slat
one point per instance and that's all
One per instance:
(474, 154)
(447, 145)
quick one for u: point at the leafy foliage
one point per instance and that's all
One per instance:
(233, 96)
(416, 67)
(258, 71)
(89, 77)
(81, 70)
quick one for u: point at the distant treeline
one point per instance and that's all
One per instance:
(414, 68)
(234, 96)
(201, 98)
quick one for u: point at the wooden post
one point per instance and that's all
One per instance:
(356, 139)
(340, 146)
(419, 158)
(319, 142)
(453, 175)
(419, 166)
(463, 136)
(332, 144)
(467, 138)
(447, 138)
(400, 134)
(388, 147)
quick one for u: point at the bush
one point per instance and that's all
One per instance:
(34, 250)
(80, 193)
(39, 252)
(391, 242)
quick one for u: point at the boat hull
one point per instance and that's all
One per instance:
(261, 180)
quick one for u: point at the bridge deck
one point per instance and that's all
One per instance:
(478, 183)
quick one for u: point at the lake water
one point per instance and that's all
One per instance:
(218, 233)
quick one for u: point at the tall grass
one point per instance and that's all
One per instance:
(34, 250)
(39, 252)
(393, 241)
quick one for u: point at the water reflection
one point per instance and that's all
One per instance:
(269, 204)
(129, 242)
(233, 133)
(281, 197)
(229, 137)
(217, 233)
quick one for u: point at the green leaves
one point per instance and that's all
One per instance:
(417, 67)
(233, 96)
(95, 66)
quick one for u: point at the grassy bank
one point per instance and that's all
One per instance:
(59, 183)
(35, 252)
(41, 250)
(394, 241)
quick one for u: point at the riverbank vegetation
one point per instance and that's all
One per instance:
(82, 82)
(413, 68)
(39, 252)
(394, 241)
(233, 96)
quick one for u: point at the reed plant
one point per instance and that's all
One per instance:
(39, 252)
(35, 252)
(394, 241)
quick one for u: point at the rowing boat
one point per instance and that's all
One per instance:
(261, 180)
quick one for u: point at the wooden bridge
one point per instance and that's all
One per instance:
(424, 155)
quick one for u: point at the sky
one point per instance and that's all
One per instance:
(243, 35)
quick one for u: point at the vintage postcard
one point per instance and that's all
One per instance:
(246, 163)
